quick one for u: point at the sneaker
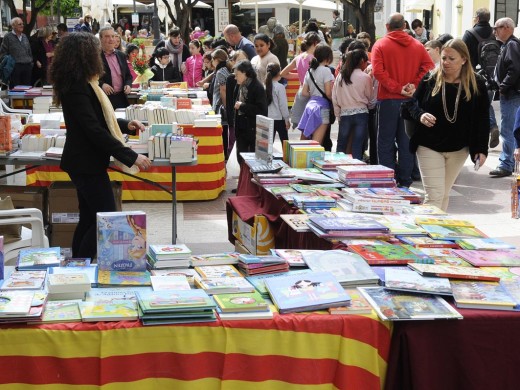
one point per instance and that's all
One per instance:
(494, 137)
(500, 172)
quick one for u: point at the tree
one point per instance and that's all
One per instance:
(364, 10)
(36, 7)
(183, 10)
(67, 8)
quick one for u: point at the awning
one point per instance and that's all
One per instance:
(418, 5)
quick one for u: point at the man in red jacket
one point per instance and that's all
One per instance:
(398, 63)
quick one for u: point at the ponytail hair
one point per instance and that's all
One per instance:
(197, 44)
(352, 60)
(322, 53)
(273, 70)
(311, 38)
(266, 39)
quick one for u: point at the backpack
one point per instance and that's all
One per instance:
(488, 53)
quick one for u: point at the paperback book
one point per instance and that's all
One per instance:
(358, 304)
(214, 259)
(297, 222)
(454, 272)
(484, 244)
(61, 311)
(408, 280)
(389, 254)
(173, 301)
(173, 282)
(241, 302)
(114, 311)
(401, 306)
(38, 258)
(258, 281)
(294, 256)
(189, 273)
(487, 258)
(452, 232)
(123, 278)
(15, 303)
(25, 280)
(482, 295)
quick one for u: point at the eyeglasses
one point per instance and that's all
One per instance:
(498, 27)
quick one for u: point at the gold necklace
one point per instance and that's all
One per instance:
(452, 119)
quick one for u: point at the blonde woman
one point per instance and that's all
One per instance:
(43, 52)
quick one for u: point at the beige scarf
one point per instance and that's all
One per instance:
(113, 126)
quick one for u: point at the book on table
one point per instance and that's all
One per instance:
(472, 294)
(123, 310)
(224, 285)
(411, 281)
(189, 273)
(358, 304)
(454, 272)
(452, 232)
(174, 301)
(15, 303)
(247, 315)
(25, 280)
(258, 281)
(293, 256)
(488, 243)
(90, 271)
(389, 254)
(38, 258)
(61, 311)
(401, 306)
(241, 302)
(349, 268)
(223, 258)
(172, 282)
(424, 241)
(123, 278)
(217, 271)
(297, 222)
(487, 258)
(442, 220)
(307, 292)
(342, 224)
(68, 282)
(169, 252)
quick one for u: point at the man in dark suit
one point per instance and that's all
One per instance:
(117, 80)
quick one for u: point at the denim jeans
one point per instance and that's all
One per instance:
(390, 132)
(358, 125)
(492, 117)
(508, 108)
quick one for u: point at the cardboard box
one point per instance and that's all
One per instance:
(241, 248)
(63, 201)
(258, 239)
(27, 197)
(61, 234)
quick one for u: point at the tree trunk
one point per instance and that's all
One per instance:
(365, 15)
(183, 16)
(28, 24)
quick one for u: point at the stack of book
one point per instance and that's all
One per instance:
(345, 227)
(312, 202)
(38, 258)
(333, 160)
(300, 153)
(175, 306)
(25, 280)
(359, 201)
(68, 286)
(366, 175)
(254, 265)
(169, 256)
(244, 306)
(388, 254)
(258, 281)
(42, 104)
(274, 179)
(21, 306)
(222, 279)
(214, 259)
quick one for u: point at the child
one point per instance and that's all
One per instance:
(277, 101)
(316, 116)
(193, 73)
(263, 45)
(163, 70)
(352, 96)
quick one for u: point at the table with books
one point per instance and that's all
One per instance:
(204, 181)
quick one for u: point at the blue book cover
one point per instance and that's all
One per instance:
(311, 291)
(121, 241)
(356, 222)
(38, 258)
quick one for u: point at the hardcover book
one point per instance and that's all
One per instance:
(113, 311)
(171, 301)
(388, 254)
(189, 273)
(297, 222)
(224, 285)
(61, 311)
(308, 292)
(218, 271)
(214, 259)
(442, 220)
(401, 306)
(454, 272)
(408, 280)
(15, 302)
(426, 242)
(452, 232)
(90, 271)
(174, 282)
(358, 304)
(69, 282)
(486, 258)
(121, 243)
(123, 278)
(349, 268)
(342, 224)
(482, 295)
(241, 302)
(294, 256)
(24, 280)
(484, 244)
(38, 258)
(258, 281)
(168, 252)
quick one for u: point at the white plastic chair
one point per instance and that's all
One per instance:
(34, 237)
(4, 108)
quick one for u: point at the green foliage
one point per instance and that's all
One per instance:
(67, 7)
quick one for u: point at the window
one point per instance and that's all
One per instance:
(294, 15)
(507, 8)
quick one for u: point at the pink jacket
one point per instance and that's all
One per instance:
(193, 72)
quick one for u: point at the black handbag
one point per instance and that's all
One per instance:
(409, 122)
(332, 117)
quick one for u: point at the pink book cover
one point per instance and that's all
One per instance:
(482, 258)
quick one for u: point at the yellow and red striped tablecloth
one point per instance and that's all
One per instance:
(204, 181)
(301, 351)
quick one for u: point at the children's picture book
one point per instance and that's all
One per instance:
(113, 311)
(173, 282)
(423, 209)
(297, 222)
(409, 280)
(38, 258)
(189, 273)
(121, 241)
(349, 268)
(24, 280)
(224, 285)
(258, 281)
(308, 292)
(168, 252)
(388, 254)
(424, 241)
(294, 256)
(90, 270)
(170, 301)
(452, 232)
(473, 294)
(61, 311)
(110, 294)
(214, 259)
(358, 304)
(241, 302)
(218, 271)
(75, 262)
(68, 282)
(442, 220)
(454, 272)
(123, 278)
(342, 224)
(15, 302)
(488, 243)
(487, 258)
(402, 306)
(246, 315)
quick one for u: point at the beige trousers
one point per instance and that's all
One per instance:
(439, 170)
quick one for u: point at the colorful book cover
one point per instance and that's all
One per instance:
(442, 220)
(347, 223)
(24, 280)
(75, 262)
(189, 273)
(426, 242)
(171, 301)
(294, 256)
(485, 258)
(61, 311)
(69, 282)
(361, 171)
(358, 304)
(174, 282)
(265, 260)
(388, 254)
(114, 311)
(408, 280)
(423, 209)
(38, 258)
(484, 244)
(297, 222)
(454, 272)
(348, 268)
(452, 232)
(90, 270)
(258, 281)
(401, 225)
(166, 252)
(481, 295)
(110, 294)
(214, 259)
(223, 285)
(15, 302)
(218, 271)
(121, 243)
(123, 278)
(241, 302)
(401, 306)
(308, 292)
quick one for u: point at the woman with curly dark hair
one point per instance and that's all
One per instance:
(93, 133)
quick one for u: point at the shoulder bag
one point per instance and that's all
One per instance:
(332, 117)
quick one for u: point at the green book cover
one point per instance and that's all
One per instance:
(241, 302)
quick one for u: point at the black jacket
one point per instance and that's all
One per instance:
(508, 68)
(89, 144)
(125, 72)
(169, 73)
(255, 104)
(484, 30)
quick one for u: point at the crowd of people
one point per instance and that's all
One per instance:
(444, 89)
